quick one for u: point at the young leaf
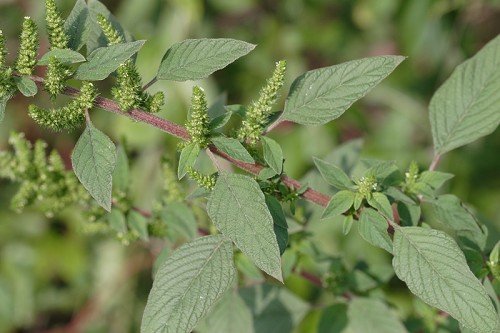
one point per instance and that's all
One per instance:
(273, 155)
(116, 221)
(339, 203)
(121, 172)
(280, 225)
(188, 284)
(138, 224)
(65, 56)
(76, 25)
(373, 228)
(324, 94)
(434, 179)
(187, 158)
(232, 148)
(371, 315)
(26, 86)
(466, 106)
(274, 309)
(195, 59)
(93, 161)
(238, 209)
(180, 221)
(333, 175)
(449, 211)
(105, 60)
(409, 213)
(434, 268)
(230, 315)
(347, 224)
(380, 202)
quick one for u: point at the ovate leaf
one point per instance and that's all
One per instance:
(434, 268)
(333, 175)
(230, 315)
(324, 94)
(434, 179)
(64, 56)
(273, 155)
(26, 86)
(187, 158)
(76, 25)
(105, 60)
(195, 59)
(180, 221)
(467, 106)
(371, 315)
(274, 309)
(373, 228)
(188, 284)
(232, 148)
(280, 224)
(93, 161)
(238, 209)
(380, 202)
(339, 203)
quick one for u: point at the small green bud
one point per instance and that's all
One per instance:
(258, 113)
(56, 76)
(55, 26)
(28, 50)
(205, 181)
(198, 123)
(68, 117)
(109, 31)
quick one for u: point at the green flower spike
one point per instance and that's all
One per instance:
(6, 79)
(258, 113)
(55, 26)
(198, 123)
(26, 59)
(3, 50)
(68, 117)
(205, 181)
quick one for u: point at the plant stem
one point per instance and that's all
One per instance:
(150, 83)
(435, 162)
(180, 132)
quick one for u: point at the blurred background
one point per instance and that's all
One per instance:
(52, 274)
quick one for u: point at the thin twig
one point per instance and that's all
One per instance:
(150, 83)
(180, 132)
(435, 162)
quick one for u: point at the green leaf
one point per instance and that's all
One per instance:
(274, 309)
(121, 172)
(409, 213)
(65, 56)
(466, 107)
(138, 224)
(95, 37)
(333, 175)
(230, 315)
(273, 155)
(76, 25)
(371, 315)
(266, 173)
(195, 59)
(280, 225)
(449, 211)
(26, 86)
(373, 228)
(188, 284)
(333, 319)
(324, 94)
(116, 221)
(339, 204)
(180, 221)
(105, 60)
(187, 158)
(434, 179)
(238, 209)
(347, 224)
(380, 202)
(233, 148)
(434, 268)
(93, 161)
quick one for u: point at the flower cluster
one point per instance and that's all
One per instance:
(128, 90)
(366, 185)
(6, 80)
(57, 73)
(44, 180)
(68, 117)
(257, 115)
(198, 119)
(205, 181)
(171, 186)
(26, 59)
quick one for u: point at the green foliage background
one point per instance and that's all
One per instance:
(51, 273)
